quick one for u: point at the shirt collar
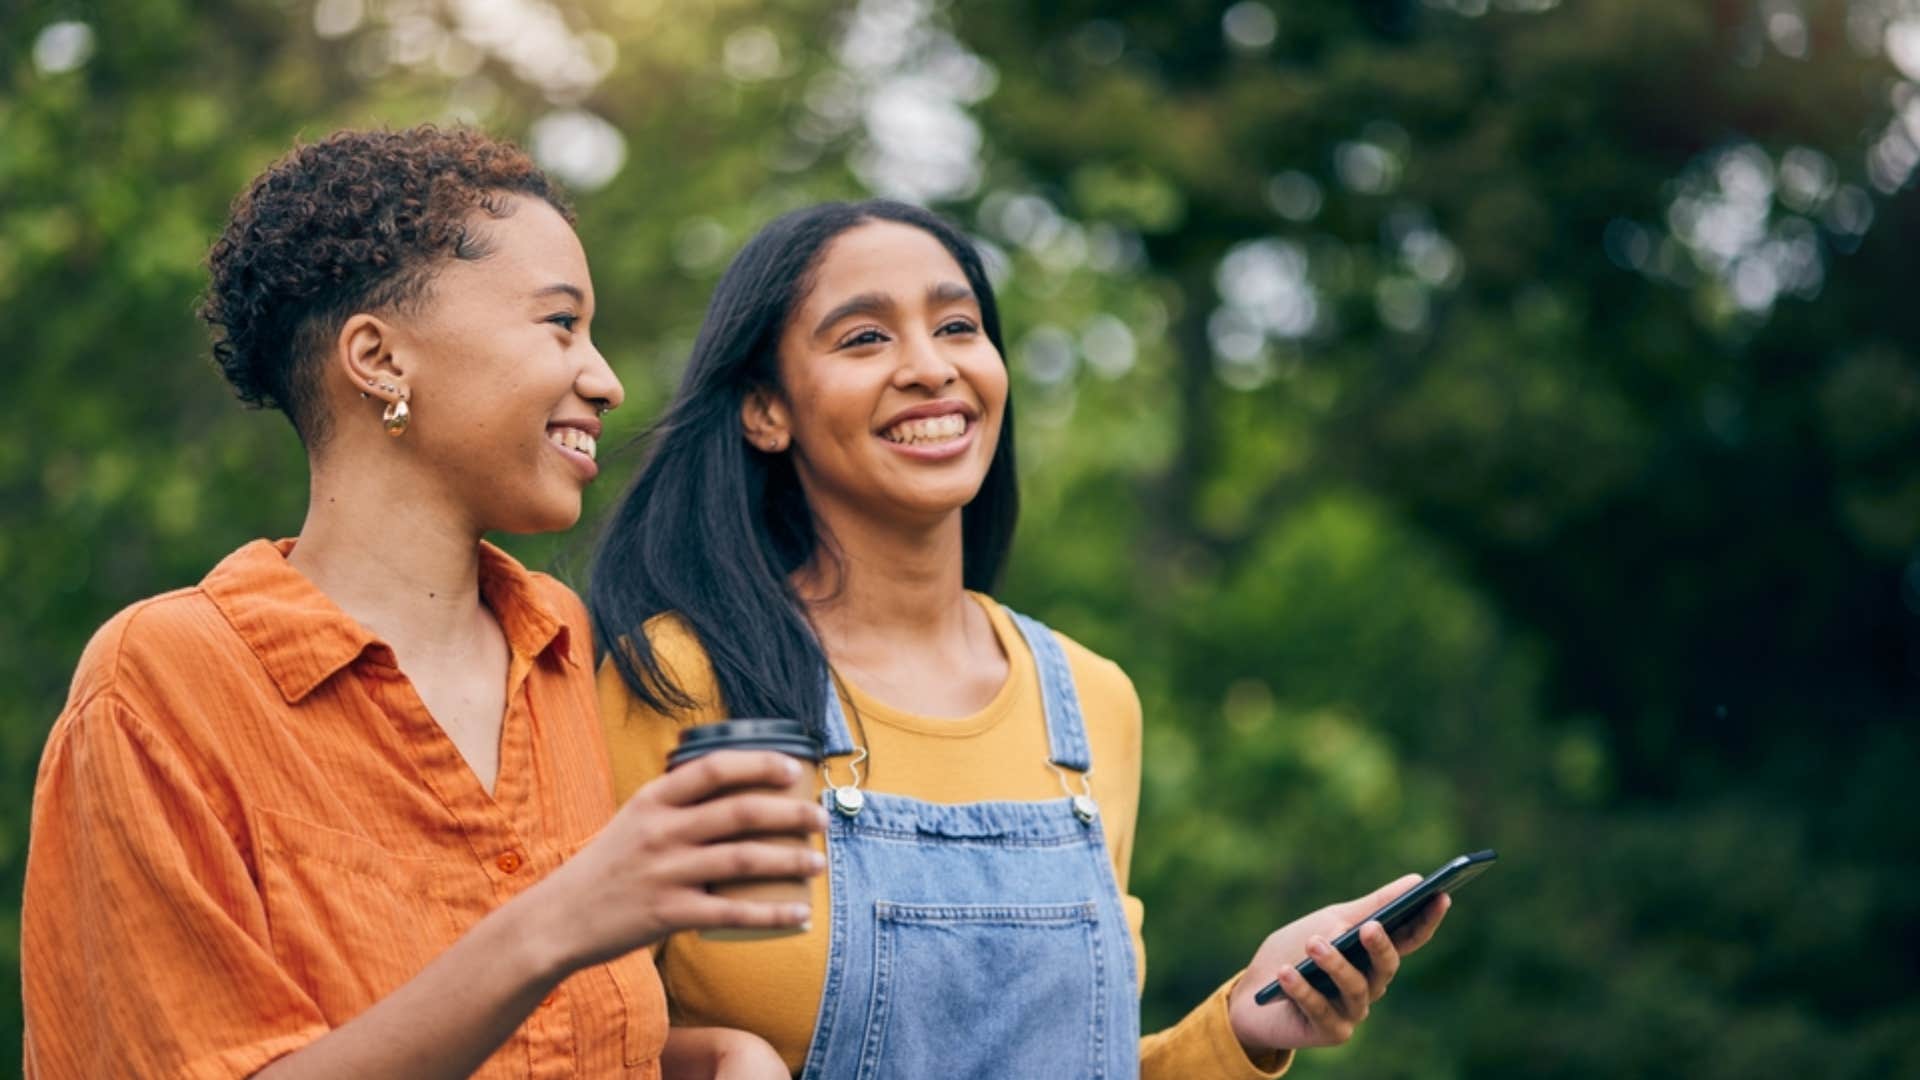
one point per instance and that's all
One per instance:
(303, 638)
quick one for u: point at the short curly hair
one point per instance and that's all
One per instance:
(355, 222)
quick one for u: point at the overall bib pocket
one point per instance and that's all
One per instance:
(996, 990)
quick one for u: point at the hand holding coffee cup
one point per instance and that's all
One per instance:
(789, 737)
(729, 816)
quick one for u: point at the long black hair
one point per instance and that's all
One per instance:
(712, 528)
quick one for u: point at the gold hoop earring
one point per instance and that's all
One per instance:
(397, 417)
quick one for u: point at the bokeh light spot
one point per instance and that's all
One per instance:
(583, 150)
(62, 47)
(1295, 196)
(338, 18)
(751, 54)
(1250, 26)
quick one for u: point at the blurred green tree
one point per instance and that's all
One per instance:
(1509, 497)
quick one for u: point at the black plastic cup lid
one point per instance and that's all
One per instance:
(781, 736)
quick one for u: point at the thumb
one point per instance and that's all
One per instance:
(1360, 907)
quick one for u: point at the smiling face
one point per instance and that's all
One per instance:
(503, 380)
(891, 394)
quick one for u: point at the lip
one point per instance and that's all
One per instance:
(585, 466)
(940, 452)
(945, 407)
(588, 424)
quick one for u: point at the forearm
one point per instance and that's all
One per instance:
(448, 1019)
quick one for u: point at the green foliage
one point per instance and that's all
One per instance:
(1386, 410)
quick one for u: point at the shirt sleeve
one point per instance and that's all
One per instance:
(144, 944)
(1202, 1044)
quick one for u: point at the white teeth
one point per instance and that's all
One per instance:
(932, 430)
(574, 439)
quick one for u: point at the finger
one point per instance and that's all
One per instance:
(748, 814)
(1352, 911)
(1392, 890)
(1385, 958)
(1354, 992)
(706, 912)
(746, 859)
(1420, 931)
(1329, 1024)
(720, 771)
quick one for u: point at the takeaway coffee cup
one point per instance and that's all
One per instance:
(788, 737)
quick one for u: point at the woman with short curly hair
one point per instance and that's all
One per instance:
(341, 809)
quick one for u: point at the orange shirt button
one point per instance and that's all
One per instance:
(509, 862)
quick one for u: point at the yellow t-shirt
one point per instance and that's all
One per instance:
(772, 988)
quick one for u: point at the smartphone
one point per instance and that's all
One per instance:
(1397, 913)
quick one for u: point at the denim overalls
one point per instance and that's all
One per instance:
(976, 940)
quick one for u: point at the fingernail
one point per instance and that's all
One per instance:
(816, 860)
(800, 913)
(1317, 947)
(790, 769)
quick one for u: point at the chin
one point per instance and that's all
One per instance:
(932, 505)
(546, 516)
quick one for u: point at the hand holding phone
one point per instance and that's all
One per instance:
(1395, 914)
(1309, 1017)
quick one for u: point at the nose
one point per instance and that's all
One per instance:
(924, 363)
(597, 382)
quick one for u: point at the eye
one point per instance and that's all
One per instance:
(957, 326)
(869, 335)
(565, 320)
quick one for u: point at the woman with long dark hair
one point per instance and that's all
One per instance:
(813, 536)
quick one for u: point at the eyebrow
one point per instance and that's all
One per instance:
(876, 303)
(948, 292)
(579, 295)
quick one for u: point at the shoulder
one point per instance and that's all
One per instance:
(151, 646)
(1110, 708)
(678, 650)
(124, 704)
(1107, 695)
(638, 736)
(680, 657)
(1095, 673)
(1104, 687)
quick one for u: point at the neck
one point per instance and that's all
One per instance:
(403, 566)
(881, 589)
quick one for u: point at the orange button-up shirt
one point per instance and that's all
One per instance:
(248, 828)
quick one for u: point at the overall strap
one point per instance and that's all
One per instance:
(835, 739)
(1066, 730)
